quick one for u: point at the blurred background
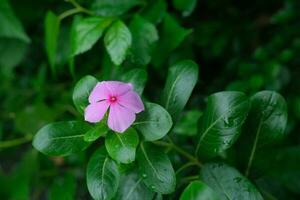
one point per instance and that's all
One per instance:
(239, 45)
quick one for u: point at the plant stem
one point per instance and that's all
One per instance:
(77, 9)
(15, 142)
(189, 164)
(190, 178)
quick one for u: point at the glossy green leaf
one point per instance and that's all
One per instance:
(122, 146)
(153, 123)
(156, 11)
(188, 123)
(52, 26)
(229, 183)
(82, 92)
(103, 176)
(221, 123)
(185, 6)
(100, 129)
(61, 138)
(197, 190)
(137, 77)
(144, 36)
(63, 188)
(117, 41)
(171, 37)
(156, 169)
(132, 188)
(113, 8)
(87, 33)
(265, 125)
(181, 80)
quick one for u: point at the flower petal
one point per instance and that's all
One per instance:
(100, 92)
(120, 118)
(132, 101)
(118, 88)
(94, 112)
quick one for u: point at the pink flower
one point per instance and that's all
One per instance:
(122, 101)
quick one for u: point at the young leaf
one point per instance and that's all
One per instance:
(87, 33)
(228, 182)
(154, 123)
(117, 41)
(171, 37)
(122, 146)
(185, 6)
(156, 169)
(113, 8)
(137, 77)
(266, 123)
(144, 36)
(94, 133)
(155, 11)
(61, 138)
(221, 123)
(197, 190)
(103, 176)
(188, 124)
(181, 80)
(132, 188)
(82, 92)
(52, 24)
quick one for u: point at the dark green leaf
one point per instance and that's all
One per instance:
(102, 176)
(228, 182)
(87, 33)
(155, 11)
(181, 80)
(185, 6)
(156, 169)
(154, 123)
(117, 41)
(52, 24)
(63, 188)
(188, 124)
(198, 190)
(132, 188)
(113, 8)
(221, 123)
(61, 138)
(137, 77)
(97, 131)
(122, 146)
(144, 35)
(82, 92)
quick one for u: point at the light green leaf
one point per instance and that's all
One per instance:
(117, 41)
(61, 138)
(181, 80)
(82, 92)
(155, 12)
(221, 123)
(188, 124)
(100, 129)
(185, 6)
(156, 169)
(102, 176)
(197, 190)
(122, 146)
(154, 123)
(137, 77)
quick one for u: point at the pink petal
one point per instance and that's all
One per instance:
(100, 92)
(94, 112)
(120, 118)
(132, 101)
(117, 88)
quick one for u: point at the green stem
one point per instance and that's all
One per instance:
(78, 9)
(190, 178)
(189, 164)
(15, 142)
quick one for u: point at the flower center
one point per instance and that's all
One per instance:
(112, 99)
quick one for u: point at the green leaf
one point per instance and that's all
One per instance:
(137, 77)
(181, 80)
(154, 123)
(117, 41)
(144, 36)
(87, 32)
(122, 146)
(113, 8)
(132, 188)
(82, 92)
(221, 123)
(197, 190)
(171, 37)
(102, 176)
(63, 188)
(188, 124)
(94, 133)
(155, 12)
(265, 125)
(185, 6)
(61, 138)
(156, 169)
(52, 26)
(228, 182)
